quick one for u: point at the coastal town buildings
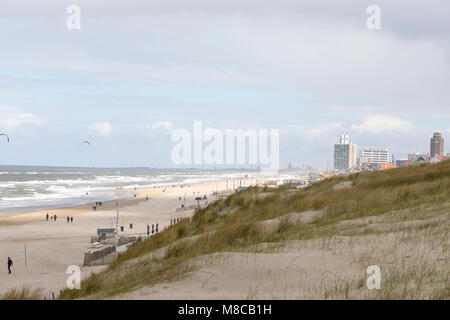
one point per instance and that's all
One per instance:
(370, 159)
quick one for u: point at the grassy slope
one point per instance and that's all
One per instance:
(232, 225)
(23, 293)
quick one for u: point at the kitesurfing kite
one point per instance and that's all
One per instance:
(86, 142)
(4, 134)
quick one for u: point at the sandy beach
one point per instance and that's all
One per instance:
(42, 250)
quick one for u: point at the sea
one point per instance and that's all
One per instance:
(26, 189)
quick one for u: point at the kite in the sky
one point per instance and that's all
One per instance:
(86, 142)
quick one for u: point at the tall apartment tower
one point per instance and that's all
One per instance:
(437, 145)
(344, 153)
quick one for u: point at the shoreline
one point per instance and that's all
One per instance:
(54, 207)
(131, 191)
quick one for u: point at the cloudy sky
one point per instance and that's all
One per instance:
(138, 69)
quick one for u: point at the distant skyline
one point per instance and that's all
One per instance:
(138, 69)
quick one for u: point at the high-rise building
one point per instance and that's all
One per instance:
(341, 156)
(374, 156)
(437, 145)
(344, 153)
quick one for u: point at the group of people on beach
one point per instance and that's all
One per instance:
(54, 217)
(97, 204)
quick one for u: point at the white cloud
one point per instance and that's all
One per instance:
(11, 118)
(102, 128)
(167, 125)
(319, 131)
(380, 124)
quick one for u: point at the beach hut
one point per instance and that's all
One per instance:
(106, 233)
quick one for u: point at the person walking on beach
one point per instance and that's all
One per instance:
(46, 217)
(54, 217)
(10, 263)
(68, 219)
(71, 219)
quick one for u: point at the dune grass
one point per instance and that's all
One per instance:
(232, 224)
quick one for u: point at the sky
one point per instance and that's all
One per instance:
(136, 70)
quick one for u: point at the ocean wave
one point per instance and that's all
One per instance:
(62, 187)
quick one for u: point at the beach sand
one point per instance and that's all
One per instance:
(51, 247)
